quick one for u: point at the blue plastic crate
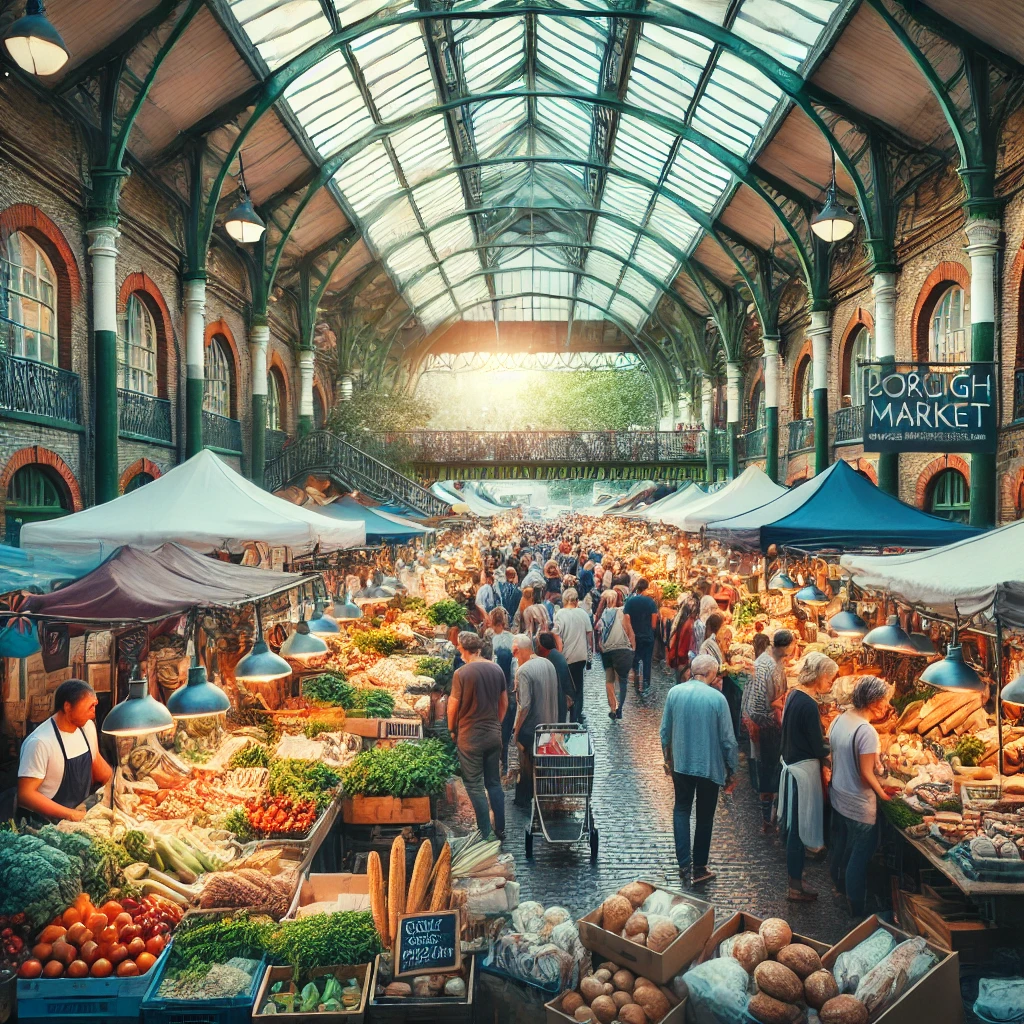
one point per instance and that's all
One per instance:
(233, 1010)
(488, 966)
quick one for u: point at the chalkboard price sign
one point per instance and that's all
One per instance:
(428, 943)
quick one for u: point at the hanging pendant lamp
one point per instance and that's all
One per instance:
(833, 222)
(138, 714)
(322, 624)
(243, 223)
(848, 623)
(890, 637)
(302, 645)
(812, 595)
(952, 672)
(34, 44)
(346, 609)
(261, 665)
(198, 697)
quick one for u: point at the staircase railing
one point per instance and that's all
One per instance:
(325, 453)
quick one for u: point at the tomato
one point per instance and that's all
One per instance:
(78, 969)
(144, 961)
(96, 922)
(54, 969)
(71, 916)
(42, 951)
(162, 928)
(90, 952)
(64, 952)
(127, 969)
(109, 934)
(101, 968)
(111, 909)
(76, 933)
(122, 921)
(52, 932)
(30, 969)
(129, 932)
(136, 946)
(155, 945)
(118, 953)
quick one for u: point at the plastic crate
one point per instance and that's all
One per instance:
(488, 966)
(401, 729)
(86, 1000)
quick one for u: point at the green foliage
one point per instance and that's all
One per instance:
(901, 700)
(237, 821)
(439, 669)
(37, 878)
(970, 750)
(316, 726)
(199, 941)
(252, 755)
(346, 937)
(303, 780)
(407, 769)
(383, 641)
(747, 611)
(900, 813)
(446, 613)
(669, 590)
(373, 701)
(328, 688)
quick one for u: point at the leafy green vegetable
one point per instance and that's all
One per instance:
(970, 750)
(382, 641)
(332, 689)
(237, 821)
(669, 590)
(315, 726)
(439, 669)
(745, 612)
(407, 769)
(900, 813)
(373, 701)
(200, 942)
(303, 780)
(36, 878)
(446, 613)
(345, 938)
(328, 688)
(252, 755)
(901, 700)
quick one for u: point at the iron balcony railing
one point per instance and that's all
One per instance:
(322, 452)
(1018, 395)
(753, 444)
(458, 447)
(31, 388)
(848, 425)
(274, 442)
(222, 432)
(801, 435)
(144, 416)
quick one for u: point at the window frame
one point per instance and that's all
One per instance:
(854, 373)
(803, 403)
(218, 353)
(275, 400)
(45, 275)
(940, 312)
(128, 347)
(954, 510)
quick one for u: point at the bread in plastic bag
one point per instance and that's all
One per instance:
(684, 915)
(528, 917)
(852, 965)
(659, 902)
(719, 992)
(552, 917)
(890, 978)
(1000, 999)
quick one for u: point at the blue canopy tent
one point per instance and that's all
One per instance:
(38, 570)
(838, 509)
(380, 526)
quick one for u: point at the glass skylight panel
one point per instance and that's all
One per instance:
(782, 29)
(473, 292)
(638, 287)
(513, 282)
(628, 311)
(422, 149)
(626, 198)
(584, 311)
(611, 235)
(675, 225)
(641, 148)
(440, 310)
(396, 69)
(571, 50)
(491, 51)
(478, 313)
(426, 287)
(328, 105)
(698, 177)
(654, 259)
(545, 307)
(736, 104)
(453, 237)
(512, 309)
(462, 267)
(494, 120)
(666, 70)
(436, 200)
(396, 222)
(410, 259)
(367, 178)
(594, 291)
(552, 282)
(568, 121)
(351, 11)
(710, 10)
(281, 29)
(604, 267)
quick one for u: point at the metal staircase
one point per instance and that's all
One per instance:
(322, 453)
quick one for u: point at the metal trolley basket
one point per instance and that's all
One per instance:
(562, 788)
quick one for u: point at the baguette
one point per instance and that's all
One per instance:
(396, 885)
(420, 878)
(960, 715)
(378, 903)
(940, 708)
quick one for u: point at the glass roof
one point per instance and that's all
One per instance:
(524, 205)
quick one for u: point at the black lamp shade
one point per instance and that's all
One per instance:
(890, 637)
(34, 44)
(833, 222)
(243, 223)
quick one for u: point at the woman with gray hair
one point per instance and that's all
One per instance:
(854, 786)
(801, 800)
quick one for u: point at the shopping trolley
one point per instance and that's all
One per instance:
(563, 783)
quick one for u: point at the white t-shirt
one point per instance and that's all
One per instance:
(573, 625)
(41, 757)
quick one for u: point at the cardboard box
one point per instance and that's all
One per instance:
(748, 923)
(555, 1016)
(353, 1016)
(661, 968)
(934, 998)
(353, 891)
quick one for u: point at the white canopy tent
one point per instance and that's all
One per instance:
(751, 489)
(982, 575)
(202, 504)
(687, 494)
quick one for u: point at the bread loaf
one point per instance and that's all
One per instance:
(843, 1009)
(778, 981)
(800, 959)
(661, 936)
(767, 1010)
(776, 933)
(615, 912)
(604, 1009)
(749, 950)
(636, 892)
(819, 988)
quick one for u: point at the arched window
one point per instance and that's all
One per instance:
(949, 496)
(218, 389)
(803, 404)
(31, 287)
(947, 339)
(137, 481)
(136, 348)
(34, 494)
(862, 350)
(274, 411)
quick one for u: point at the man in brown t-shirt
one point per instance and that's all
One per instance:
(476, 708)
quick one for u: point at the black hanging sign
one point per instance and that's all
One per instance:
(930, 407)
(428, 943)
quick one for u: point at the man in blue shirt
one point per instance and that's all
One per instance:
(643, 616)
(700, 756)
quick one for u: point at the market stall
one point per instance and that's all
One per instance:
(380, 526)
(751, 489)
(685, 494)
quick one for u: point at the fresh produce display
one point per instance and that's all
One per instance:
(303, 780)
(373, 702)
(451, 987)
(252, 755)
(429, 888)
(439, 669)
(540, 946)
(405, 770)
(324, 994)
(380, 641)
(615, 994)
(344, 938)
(250, 888)
(900, 813)
(328, 688)
(446, 613)
(15, 940)
(280, 817)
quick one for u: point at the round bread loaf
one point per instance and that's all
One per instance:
(778, 981)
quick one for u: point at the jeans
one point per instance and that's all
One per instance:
(795, 853)
(506, 729)
(642, 657)
(853, 846)
(706, 792)
(481, 774)
(576, 672)
(734, 697)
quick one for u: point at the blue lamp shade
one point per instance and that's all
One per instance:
(261, 665)
(890, 637)
(783, 581)
(924, 644)
(953, 673)
(34, 44)
(138, 714)
(1013, 693)
(346, 609)
(302, 645)
(322, 624)
(812, 595)
(848, 623)
(198, 697)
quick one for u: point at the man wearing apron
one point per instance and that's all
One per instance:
(60, 761)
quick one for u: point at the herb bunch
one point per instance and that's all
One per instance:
(446, 613)
(405, 770)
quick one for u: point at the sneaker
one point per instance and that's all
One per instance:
(701, 876)
(618, 714)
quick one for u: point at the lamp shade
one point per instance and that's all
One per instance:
(848, 623)
(1013, 693)
(812, 595)
(198, 697)
(243, 223)
(833, 222)
(923, 643)
(890, 637)
(322, 624)
(261, 665)
(953, 673)
(346, 609)
(783, 581)
(138, 714)
(302, 644)
(34, 44)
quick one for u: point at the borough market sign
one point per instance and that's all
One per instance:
(930, 407)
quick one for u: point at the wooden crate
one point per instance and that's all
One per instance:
(385, 810)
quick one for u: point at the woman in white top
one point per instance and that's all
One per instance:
(615, 640)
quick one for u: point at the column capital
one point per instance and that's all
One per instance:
(771, 344)
(982, 236)
(821, 322)
(194, 296)
(259, 334)
(306, 357)
(883, 286)
(103, 239)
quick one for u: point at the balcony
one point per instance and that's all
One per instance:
(143, 417)
(39, 393)
(273, 443)
(222, 433)
(801, 436)
(753, 444)
(1018, 396)
(848, 424)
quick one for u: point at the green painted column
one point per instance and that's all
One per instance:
(195, 353)
(982, 247)
(821, 336)
(259, 339)
(103, 252)
(707, 411)
(884, 290)
(771, 406)
(306, 356)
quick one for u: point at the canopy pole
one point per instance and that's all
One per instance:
(999, 687)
